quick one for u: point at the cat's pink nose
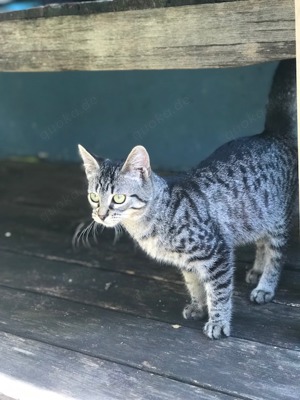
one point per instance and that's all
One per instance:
(103, 216)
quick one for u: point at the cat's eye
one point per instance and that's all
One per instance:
(94, 197)
(119, 198)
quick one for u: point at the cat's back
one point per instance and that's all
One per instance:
(278, 139)
(249, 183)
(245, 151)
(248, 186)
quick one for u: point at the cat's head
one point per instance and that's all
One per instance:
(118, 191)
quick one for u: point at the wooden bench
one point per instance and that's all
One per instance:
(147, 34)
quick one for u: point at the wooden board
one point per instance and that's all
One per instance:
(67, 375)
(108, 314)
(101, 6)
(55, 242)
(213, 35)
(297, 16)
(153, 299)
(181, 354)
(32, 206)
(2, 397)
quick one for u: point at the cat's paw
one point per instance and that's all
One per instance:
(215, 330)
(261, 296)
(194, 311)
(252, 277)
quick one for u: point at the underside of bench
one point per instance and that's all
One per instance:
(141, 35)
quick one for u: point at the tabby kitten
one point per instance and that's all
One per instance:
(244, 192)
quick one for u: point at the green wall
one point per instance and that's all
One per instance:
(179, 116)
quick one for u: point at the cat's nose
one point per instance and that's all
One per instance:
(103, 216)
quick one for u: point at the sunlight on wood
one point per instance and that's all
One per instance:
(25, 391)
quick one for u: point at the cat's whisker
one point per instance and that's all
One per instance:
(92, 230)
(98, 228)
(95, 228)
(85, 237)
(118, 233)
(76, 235)
(81, 234)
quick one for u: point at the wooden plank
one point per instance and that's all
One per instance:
(36, 190)
(30, 235)
(42, 216)
(224, 34)
(276, 324)
(2, 397)
(101, 6)
(64, 374)
(245, 368)
(297, 24)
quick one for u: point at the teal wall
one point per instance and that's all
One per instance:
(179, 116)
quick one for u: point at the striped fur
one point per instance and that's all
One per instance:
(244, 192)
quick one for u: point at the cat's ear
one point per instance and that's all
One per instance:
(90, 163)
(138, 161)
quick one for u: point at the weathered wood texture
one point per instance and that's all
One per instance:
(232, 366)
(149, 298)
(100, 6)
(70, 375)
(53, 215)
(297, 17)
(195, 36)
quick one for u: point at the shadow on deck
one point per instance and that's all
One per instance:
(105, 322)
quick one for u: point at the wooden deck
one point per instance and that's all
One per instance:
(105, 322)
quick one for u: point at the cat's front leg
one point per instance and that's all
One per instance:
(197, 309)
(219, 287)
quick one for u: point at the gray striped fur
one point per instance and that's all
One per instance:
(243, 193)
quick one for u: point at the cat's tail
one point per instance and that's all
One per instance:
(281, 117)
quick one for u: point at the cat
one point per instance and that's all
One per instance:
(245, 192)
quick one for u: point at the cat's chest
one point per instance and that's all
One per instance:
(161, 250)
(152, 246)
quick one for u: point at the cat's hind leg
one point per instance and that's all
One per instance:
(253, 275)
(272, 265)
(197, 309)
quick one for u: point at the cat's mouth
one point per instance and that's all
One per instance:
(107, 222)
